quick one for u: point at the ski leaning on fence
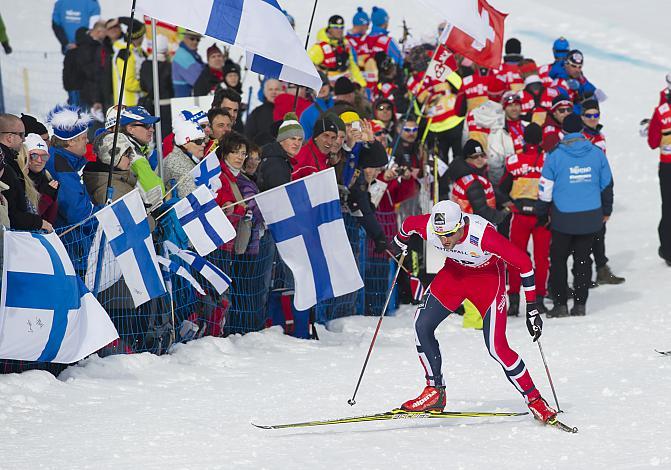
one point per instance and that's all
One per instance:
(395, 414)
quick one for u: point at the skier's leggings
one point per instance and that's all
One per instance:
(432, 312)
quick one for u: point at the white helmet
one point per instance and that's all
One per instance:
(446, 218)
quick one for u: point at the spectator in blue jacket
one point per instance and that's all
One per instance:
(70, 15)
(575, 199)
(187, 65)
(323, 102)
(66, 160)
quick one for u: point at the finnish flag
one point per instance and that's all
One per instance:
(203, 221)
(126, 227)
(207, 172)
(258, 26)
(170, 267)
(215, 276)
(306, 222)
(46, 312)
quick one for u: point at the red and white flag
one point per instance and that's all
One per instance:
(476, 31)
(442, 64)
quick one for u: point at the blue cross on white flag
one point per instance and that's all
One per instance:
(46, 312)
(305, 220)
(207, 172)
(215, 276)
(258, 26)
(174, 268)
(203, 221)
(127, 229)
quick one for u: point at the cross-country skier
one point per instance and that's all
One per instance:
(475, 269)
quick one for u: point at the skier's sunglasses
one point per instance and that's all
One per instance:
(198, 141)
(410, 130)
(592, 115)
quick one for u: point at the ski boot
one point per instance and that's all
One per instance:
(431, 399)
(541, 410)
(605, 276)
(514, 305)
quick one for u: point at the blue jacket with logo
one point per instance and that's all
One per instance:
(70, 15)
(312, 113)
(577, 183)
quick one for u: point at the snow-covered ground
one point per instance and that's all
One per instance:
(192, 408)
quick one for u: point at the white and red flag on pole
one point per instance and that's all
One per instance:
(475, 29)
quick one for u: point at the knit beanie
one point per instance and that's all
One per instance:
(231, 67)
(560, 47)
(590, 104)
(343, 86)
(35, 142)
(290, 127)
(32, 125)
(335, 119)
(213, 49)
(379, 16)
(472, 147)
(187, 131)
(360, 18)
(572, 123)
(348, 117)
(105, 148)
(324, 124)
(513, 46)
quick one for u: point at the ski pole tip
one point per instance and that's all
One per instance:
(351, 402)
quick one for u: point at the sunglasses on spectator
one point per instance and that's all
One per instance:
(36, 156)
(337, 26)
(577, 66)
(564, 110)
(379, 133)
(384, 107)
(146, 126)
(20, 134)
(192, 38)
(410, 130)
(592, 115)
(198, 141)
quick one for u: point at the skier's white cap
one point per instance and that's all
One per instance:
(446, 218)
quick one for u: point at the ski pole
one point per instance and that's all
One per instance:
(547, 371)
(351, 401)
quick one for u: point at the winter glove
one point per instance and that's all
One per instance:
(381, 245)
(399, 244)
(7, 47)
(643, 128)
(151, 186)
(534, 321)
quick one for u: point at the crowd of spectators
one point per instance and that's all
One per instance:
(521, 146)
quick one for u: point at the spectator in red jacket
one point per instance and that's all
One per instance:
(231, 152)
(314, 156)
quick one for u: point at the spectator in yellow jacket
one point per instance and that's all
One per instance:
(333, 55)
(135, 55)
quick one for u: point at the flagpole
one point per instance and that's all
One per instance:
(307, 43)
(157, 99)
(129, 34)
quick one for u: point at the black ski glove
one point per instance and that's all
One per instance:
(7, 47)
(534, 321)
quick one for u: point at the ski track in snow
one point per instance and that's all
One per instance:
(192, 408)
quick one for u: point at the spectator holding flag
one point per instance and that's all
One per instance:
(96, 173)
(232, 152)
(188, 152)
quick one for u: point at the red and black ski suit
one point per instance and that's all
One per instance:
(475, 269)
